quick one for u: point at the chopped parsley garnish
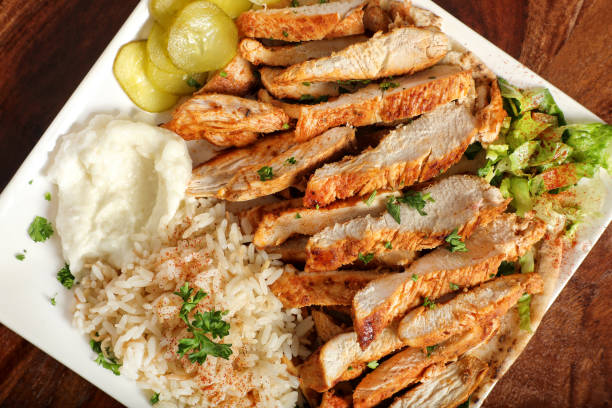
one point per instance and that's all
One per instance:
(524, 311)
(290, 160)
(265, 173)
(415, 277)
(223, 74)
(109, 362)
(200, 346)
(286, 126)
(154, 398)
(473, 150)
(30, 182)
(298, 216)
(393, 209)
(350, 368)
(323, 1)
(429, 303)
(367, 258)
(20, 257)
(306, 83)
(388, 245)
(388, 84)
(506, 268)
(48, 196)
(416, 200)
(370, 199)
(317, 206)
(373, 364)
(453, 286)
(193, 83)
(431, 349)
(286, 34)
(65, 277)
(40, 229)
(52, 300)
(455, 242)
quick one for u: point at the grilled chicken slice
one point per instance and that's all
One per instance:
(320, 289)
(211, 176)
(279, 224)
(461, 203)
(332, 400)
(428, 326)
(292, 250)
(291, 109)
(306, 23)
(452, 386)
(225, 120)
(330, 364)
(504, 239)
(405, 98)
(236, 78)
(408, 366)
(285, 55)
(409, 154)
(256, 214)
(403, 51)
(284, 169)
(297, 90)
(325, 326)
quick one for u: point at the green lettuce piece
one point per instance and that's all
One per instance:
(527, 262)
(519, 158)
(542, 100)
(519, 190)
(525, 128)
(550, 153)
(497, 151)
(591, 143)
(524, 311)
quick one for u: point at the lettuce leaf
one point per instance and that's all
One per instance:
(524, 312)
(591, 144)
(525, 128)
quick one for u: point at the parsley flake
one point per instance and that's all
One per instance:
(20, 257)
(193, 83)
(416, 200)
(431, 349)
(223, 74)
(455, 242)
(429, 303)
(48, 196)
(373, 364)
(30, 182)
(297, 216)
(453, 286)
(415, 277)
(306, 83)
(290, 160)
(154, 398)
(65, 277)
(285, 34)
(388, 84)
(109, 361)
(52, 300)
(285, 126)
(393, 209)
(367, 258)
(40, 229)
(265, 173)
(370, 199)
(388, 245)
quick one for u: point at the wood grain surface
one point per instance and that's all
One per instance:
(47, 47)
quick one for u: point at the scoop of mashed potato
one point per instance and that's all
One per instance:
(117, 180)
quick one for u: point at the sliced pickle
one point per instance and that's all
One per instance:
(129, 69)
(157, 48)
(180, 83)
(233, 8)
(163, 11)
(202, 38)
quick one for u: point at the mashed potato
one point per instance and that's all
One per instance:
(117, 179)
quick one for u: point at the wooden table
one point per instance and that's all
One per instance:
(48, 46)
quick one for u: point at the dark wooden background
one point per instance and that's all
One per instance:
(47, 47)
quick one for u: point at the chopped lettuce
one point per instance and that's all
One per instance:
(527, 262)
(537, 155)
(524, 312)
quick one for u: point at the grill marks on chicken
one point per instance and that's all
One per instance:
(306, 23)
(409, 154)
(401, 98)
(403, 51)
(504, 239)
(461, 202)
(225, 120)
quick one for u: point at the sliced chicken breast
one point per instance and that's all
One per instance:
(325, 326)
(285, 55)
(280, 224)
(427, 326)
(306, 23)
(461, 203)
(320, 289)
(297, 90)
(291, 109)
(409, 154)
(225, 120)
(409, 365)
(211, 176)
(286, 168)
(448, 388)
(504, 239)
(337, 359)
(402, 51)
(331, 399)
(402, 98)
(236, 78)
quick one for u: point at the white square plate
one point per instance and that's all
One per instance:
(27, 286)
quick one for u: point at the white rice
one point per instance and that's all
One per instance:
(135, 313)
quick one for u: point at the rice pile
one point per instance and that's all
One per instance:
(135, 314)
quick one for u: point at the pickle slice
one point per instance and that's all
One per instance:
(163, 11)
(178, 83)
(202, 38)
(129, 69)
(233, 8)
(157, 49)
